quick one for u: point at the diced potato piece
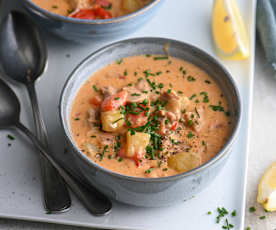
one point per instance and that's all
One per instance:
(131, 5)
(185, 101)
(136, 143)
(112, 121)
(183, 162)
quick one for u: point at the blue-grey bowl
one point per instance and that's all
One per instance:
(150, 192)
(80, 30)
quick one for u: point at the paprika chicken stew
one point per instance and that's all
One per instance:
(150, 116)
(92, 9)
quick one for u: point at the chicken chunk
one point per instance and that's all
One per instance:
(108, 91)
(173, 103)
(134, 94)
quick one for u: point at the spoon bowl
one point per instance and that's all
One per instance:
(23, 53)
(9, 107)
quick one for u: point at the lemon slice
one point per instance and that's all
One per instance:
(229, 31)
(267, 189)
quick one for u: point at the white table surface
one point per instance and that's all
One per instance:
(262, 151)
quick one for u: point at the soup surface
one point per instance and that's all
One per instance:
(150, 116)
(92, 9)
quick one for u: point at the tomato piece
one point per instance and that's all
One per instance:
(114, 102)
(96, 100)
(102, 13)
(174, 125)
(84, 14)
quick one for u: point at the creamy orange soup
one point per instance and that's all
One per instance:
(150, 116)
(92, 9)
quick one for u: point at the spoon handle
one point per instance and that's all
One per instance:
(56, 195)
(95, 202)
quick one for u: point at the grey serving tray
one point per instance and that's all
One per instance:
(20, 188)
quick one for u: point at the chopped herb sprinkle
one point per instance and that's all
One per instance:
(161, 58)
(148, 171)
(95, 88)
(190, 135)
(262, 217)
(10, 137)
(103, 153)
(191, 78)
(119, 61)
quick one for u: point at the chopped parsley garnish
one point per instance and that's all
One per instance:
(148, 55)
(190, 122)
(159, 164)
(169, 90)
(148, 171)
(190, 135)
(117, 98)
(103, 153)
(227, 226)
(203, 143)
(234, 213)
(76, 119)
(179, 92)
(161, 85)
(161, 58)
(262, 217)
(209, 213)
(119, 61)
(117, 120)
(54, 6)
(95, 88)
(10, 137)
(93, 136)
(135, 94)
(207, 82)
(222, 212)
(191, 78)
(165, 169)
(120, 159)
(192, 97)
(125, 73)
(158, 73)
(197, 113)
(217, 108)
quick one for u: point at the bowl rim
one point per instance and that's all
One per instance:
(58, 17)
(221, 154)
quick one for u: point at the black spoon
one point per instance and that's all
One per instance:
(95, 202)
(23, 56)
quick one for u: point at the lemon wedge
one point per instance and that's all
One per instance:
(229, 31)
(267, 189)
